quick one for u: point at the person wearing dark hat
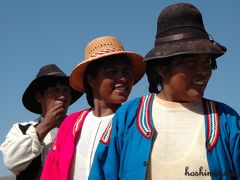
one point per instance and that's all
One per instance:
(106, 75)
(174, 132)
(27, 144)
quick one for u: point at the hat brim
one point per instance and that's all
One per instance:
(197, 46)
(29, 100)
(77, 75)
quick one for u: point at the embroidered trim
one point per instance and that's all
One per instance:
(106, 134)
(76, 126)
(212, 123)
(54, 146)
(143, 116)
(81, 117)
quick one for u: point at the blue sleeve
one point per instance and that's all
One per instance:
(231, 130)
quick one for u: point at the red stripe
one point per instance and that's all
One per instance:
(139, 115)
(148, 116)
(217, 127)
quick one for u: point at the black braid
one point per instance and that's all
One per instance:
(153, 78)
(214, 64)
(88, 91)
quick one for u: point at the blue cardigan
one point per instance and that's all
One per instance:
(127, 153)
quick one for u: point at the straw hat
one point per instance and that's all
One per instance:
(104, 47)
(180, 30)
(50, 72)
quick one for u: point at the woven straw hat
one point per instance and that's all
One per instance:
(180, 30)
(104, 47)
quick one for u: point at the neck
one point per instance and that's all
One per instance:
(102, 109)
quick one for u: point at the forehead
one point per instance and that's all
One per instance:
(56, 83)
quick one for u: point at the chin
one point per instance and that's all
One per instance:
(121, 99)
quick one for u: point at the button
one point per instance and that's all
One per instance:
(145, 163)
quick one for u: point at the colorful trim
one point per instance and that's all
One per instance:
(54, 145)
(77, 124)
(143, 116)
(106, 135)
(212, 123)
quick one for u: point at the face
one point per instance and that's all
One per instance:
(187, 79)
(59, 94)
(113, 82)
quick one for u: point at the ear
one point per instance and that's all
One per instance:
(91, 81)
(163, 72)
(38, 97)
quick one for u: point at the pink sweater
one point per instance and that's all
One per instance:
(57, 165)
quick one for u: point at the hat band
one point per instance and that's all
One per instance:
(181, 36)
(105, 51)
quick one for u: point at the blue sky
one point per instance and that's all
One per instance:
(35, 33)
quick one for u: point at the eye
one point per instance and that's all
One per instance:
(127, 71)
(208, 63)
(111, 71)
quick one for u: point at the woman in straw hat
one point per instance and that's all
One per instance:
(106, 76)
(174, 133)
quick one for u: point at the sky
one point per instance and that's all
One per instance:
(35, 33)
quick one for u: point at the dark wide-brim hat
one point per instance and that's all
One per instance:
(48, 73)
(180, 30)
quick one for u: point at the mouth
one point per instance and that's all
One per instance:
(121, 88)
(199, 83)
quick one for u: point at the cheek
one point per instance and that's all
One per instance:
(179, 81)
(50, 103)
(106, 86)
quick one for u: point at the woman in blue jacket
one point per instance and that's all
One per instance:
(174, 132)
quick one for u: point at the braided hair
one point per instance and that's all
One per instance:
(154, 79)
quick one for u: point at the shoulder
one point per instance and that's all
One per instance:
(71, 118)
(134, 104)
(223, 108)
(70, 121)
(127, 113)
(228, 117)
(128, 107)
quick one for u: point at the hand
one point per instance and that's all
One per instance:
(55, 114)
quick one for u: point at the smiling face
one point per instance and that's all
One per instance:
(187, 79)
(113, 82)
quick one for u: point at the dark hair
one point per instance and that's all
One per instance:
(91, 70)
(52, 82)
(154, 79)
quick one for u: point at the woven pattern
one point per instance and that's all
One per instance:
(102, 46)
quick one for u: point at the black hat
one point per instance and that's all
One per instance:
(46, 73)
(180, 30)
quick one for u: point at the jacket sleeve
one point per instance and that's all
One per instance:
(236, 148)
(20, 148)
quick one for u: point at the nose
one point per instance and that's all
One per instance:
(202, 69)
(124, 77)
(63, 95)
